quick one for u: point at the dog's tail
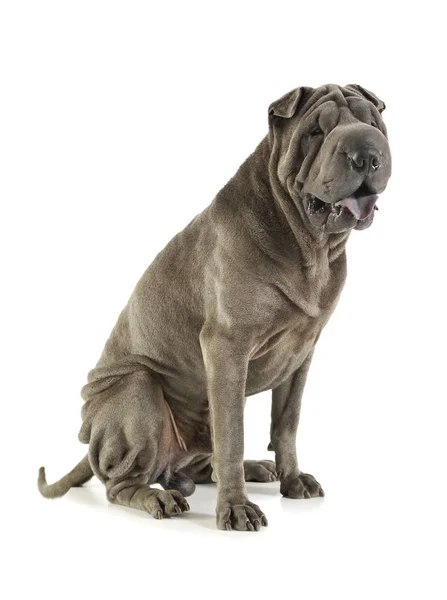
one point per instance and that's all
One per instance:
(79, 475)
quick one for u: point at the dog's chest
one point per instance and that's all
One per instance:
(279, 356)
(290, 335)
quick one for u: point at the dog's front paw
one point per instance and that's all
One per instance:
(246, 516)
(301, 485)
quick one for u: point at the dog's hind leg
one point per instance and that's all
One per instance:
(130, 443)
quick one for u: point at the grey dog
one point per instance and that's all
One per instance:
(233, 306)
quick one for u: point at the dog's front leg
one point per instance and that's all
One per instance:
(226, 363)
(286, 407)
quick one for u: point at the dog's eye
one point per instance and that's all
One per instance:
(315, 131)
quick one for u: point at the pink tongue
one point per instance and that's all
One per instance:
(361, 207)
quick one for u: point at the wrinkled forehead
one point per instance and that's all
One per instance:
(330, 102)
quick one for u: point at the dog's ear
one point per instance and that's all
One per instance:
(379, 104)
(287, 106)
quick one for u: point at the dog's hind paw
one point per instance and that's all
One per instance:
(260, 470)
(158, 503)
(165, 503)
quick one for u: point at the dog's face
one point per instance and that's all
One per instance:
(333, 156)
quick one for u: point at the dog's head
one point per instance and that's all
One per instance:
(331, 154)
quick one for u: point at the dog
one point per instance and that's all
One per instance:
(233, 306)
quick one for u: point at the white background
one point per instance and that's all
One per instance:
(119, 122)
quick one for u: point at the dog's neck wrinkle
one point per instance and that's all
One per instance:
(271, 218)
(302, 261)
(252, 199)
(312, 244)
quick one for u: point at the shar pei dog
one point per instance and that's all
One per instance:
(233, 306)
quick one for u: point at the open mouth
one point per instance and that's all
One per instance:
(360, 205)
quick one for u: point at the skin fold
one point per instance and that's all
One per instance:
(234, 305)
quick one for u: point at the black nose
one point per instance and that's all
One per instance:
(365, 159)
